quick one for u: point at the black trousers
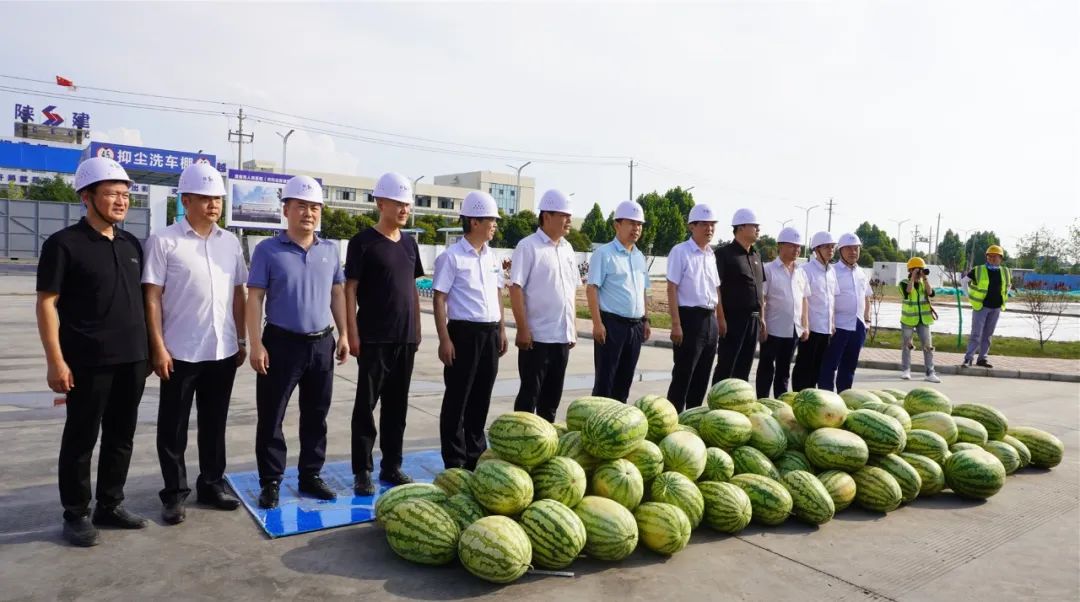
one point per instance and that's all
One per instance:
(774, 365)
(542, 370)
(106, 399)
(808, 361)
(294, 362)
(210, 385)
(616, 360)
(469, 381)
(385, 373)
(693, 359)
(735, 350)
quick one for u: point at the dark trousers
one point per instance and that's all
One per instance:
(294, 362)
(808, 361)
(774, 365)
(841, 359)
(735, 350)
(616, 360)
(469, 381)
(693, 358)
(210, 385)
(106, 399)
(385, 373)
(542, 370)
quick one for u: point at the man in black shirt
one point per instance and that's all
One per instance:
(92, 326)
(742, 279)
(381, 268)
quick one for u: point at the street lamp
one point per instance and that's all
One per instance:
(783, 223)
(688, 189)
(284, 146)
(898, 224)
(412, 214)
(523, 166)
(806, 227)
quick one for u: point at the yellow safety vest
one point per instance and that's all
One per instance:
(916, 307)
(978, 287)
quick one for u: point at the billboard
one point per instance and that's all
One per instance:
(155, 160)
(255, 200)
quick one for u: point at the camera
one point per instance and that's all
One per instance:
(925, 271)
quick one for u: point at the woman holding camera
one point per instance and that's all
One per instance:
(916, 316)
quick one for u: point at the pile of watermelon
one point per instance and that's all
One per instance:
(616, 476)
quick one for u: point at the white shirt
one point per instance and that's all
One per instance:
(548, 275)
(783, 308)
(852, 290)
(817, 284)
(199, 276)
(471, 281)
(693, 270)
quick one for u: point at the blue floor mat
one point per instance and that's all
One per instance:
(298, 513)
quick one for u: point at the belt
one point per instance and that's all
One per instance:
(607, 315)
(701, 310)
(300, 336)
(472, 325)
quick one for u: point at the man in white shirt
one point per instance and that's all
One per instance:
(852, 315)
(543, 285)
(815, 285)
(469, 320)
(783, 312)
(193, 282)
(693, 295)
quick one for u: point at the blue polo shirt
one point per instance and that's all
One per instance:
(297, 282)
(621, 277)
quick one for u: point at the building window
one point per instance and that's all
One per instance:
(423, 201)
(446, 203)
(345, 194)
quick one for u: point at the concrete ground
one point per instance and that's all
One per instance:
(1022, 544)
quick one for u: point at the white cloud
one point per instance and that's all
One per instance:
(121, 135)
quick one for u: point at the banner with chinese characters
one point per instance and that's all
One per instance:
(254, 200)
(156, 160)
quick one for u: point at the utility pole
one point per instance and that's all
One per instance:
(915, 241)
(632, 164)
(937, 234)
(240, 138)
(830, 206)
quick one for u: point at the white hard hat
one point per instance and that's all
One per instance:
(701, 213)
(849, 240)
(395, 187)
(99, 169)
(303, 188)
(744, 216)
(554, 200)
(630, 210)
(790, 235)
(822, 238)
(479, 204)
(201, 178)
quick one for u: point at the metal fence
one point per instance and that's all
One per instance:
(24, 225)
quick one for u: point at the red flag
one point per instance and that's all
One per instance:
(63, 81)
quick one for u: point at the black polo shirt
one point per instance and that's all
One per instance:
(101, 304)
(742, 276)
(386, 273)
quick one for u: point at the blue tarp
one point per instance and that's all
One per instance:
(39, 157)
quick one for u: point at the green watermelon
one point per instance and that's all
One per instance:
(571, 446)
(955, 447)
(974, 473)
(1005, 453)
(464, 510)
(648, 458)
(750, 460)
(488, 455)
(718, 465)
(684, 428)
(772, 404)
(453, 481)
(899, 414)
(855, 398)
(495, 549)
(876, 490)
(1046, 449)
(523, 438)
(788, 397)
(883, 434)
(420, 531)
(887, 397)
(793, 460)
(560, 428)
(905, 474)
(501, 487)
(811, 502)
(925, 399)
(835, 449)
(662, 528)
(725, 429)
(794, 432)
(611, 530)
(970, 431)
(766, 435)
(619, 480)
(896, 393)
(758, 408)
(685, 453)
(582, 408)
(395, 495)
(927, 443)
(877, 406)
(816, 408)
(693, 416)
(770, 501)
(732, 394)
(677, 489)
(993, 421)
(931, 477)
(555, 532)
(661, 414)
(613, 432)
(727, 506)
(1021, 450)
(841, 487)
(560, 479)
(937, 422)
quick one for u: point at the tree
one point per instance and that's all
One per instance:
(55, 189)
(1042, 251)
(872, 236)
(976, 245)
(517, 227)
(768, 247)
(950, 253)
(665, 222)
(1046, 304)
(338, 224)
(877, 288)
(596, 227)
(12, 191)
(579, 241)
(866, 259)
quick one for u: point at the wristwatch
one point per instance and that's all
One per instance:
(241, 342)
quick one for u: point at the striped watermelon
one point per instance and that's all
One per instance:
(661, 414)
(560, 428)
(725, 429)
(899, 414)
(770, 500)
(420, 531)
(905, 474)
(693, 416)
(758, 408)
(794, 432)
(718, 465)
(927, 443)
(955, 447)
(560, 479)
(788, 397)
(395, 495)
(793, 460)
(766, 435)
(772, 404)
(896, 393)
(931, 477)
(970, 431)
(555, 532)
(495, 549)
(1021, 449)
(876, 490)
(581, 408)
(619, 480)
(888, 397)
(523, 438)
(464, 510)
(648, 458)
(571, 446)
(811, 502)
(611, 531)
(816, 408)
(750, 460)
(732, 394)
(677, 489)
(995, 423)
(855, 398)
(685, 453)
(613, 432)
(883, 434)
(501, 487)
(835, 449)
(1046, 450)
(662, 528)
(877, 406)
(841, 487)
(453, 481)
(488, 455)
(727, 506)
(685, 428)
(925, 399)
(1005, 453)
(937, 422)
(974, 473)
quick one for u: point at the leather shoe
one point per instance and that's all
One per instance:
(80, 532)
(362, 484)
(216, 497)
(118, 516)
(174, 513)
(268, 497)
(984, 364)
(395, 477)
(314, 485)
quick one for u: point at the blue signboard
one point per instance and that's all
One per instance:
(155, 160)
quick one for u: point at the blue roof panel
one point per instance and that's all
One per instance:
(39, 157)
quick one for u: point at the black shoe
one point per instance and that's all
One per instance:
(395, 477)
(80, 532)
(174, 513)
(966, 364)
(984, 364)
(362, 484)
(217, 498)
(118, 516)
(315, 486)
(268, 497)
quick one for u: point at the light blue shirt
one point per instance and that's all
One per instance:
(621, 278)
(297, 282)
